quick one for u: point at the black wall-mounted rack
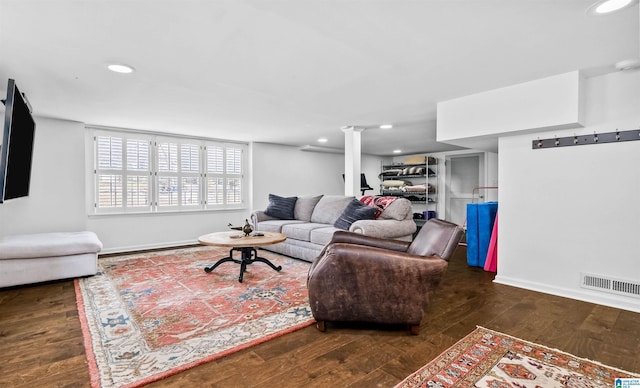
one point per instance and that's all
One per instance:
(596, 138)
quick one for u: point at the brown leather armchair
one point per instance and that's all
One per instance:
(359, 278)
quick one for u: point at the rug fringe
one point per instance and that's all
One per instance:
(94, 373)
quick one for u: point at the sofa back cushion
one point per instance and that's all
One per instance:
(400, 209)
(304, 207)
(329, 208)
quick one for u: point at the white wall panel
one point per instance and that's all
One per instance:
(549, 102)
(56, 197)
(574, 209)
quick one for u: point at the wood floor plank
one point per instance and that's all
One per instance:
(41, 342)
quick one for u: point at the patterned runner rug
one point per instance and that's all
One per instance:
(148, 316)
(488, 359)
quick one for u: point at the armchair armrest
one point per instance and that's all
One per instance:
(361, 239)
(358, 283)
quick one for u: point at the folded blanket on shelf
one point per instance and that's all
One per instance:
(428, 188)
(415, 189)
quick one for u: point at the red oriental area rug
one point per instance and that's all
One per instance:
(148, 316)
(488, 359)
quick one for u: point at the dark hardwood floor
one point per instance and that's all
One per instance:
(41, 342)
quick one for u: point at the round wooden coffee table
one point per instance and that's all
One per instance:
(246, 245)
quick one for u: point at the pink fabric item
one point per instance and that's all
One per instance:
(377, 201)
(491, 264)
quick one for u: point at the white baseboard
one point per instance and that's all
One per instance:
(585, 295)
(134, 248)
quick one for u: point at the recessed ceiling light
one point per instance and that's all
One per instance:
(607, 6)
(386, 126)
(120, 68)
(397, 151)
(323, 140)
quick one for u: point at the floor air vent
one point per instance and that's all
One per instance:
(607, 284)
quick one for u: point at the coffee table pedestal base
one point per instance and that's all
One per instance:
(248, 256)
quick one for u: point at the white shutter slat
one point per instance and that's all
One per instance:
(168, 157)
(137, 155)
(109, 152)
(190, 158)
(109, 191)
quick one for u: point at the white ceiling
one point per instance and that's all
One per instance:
(291, 71)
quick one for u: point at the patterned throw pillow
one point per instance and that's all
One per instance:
(281, 207)
(355, 211)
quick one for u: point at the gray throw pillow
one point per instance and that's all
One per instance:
(281, 207)
(355, 211)
(304, 207)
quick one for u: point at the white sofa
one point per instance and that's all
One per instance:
(33, 258)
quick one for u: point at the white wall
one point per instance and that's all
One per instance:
(134, 232)
(57, 197)
(572, 209)
(290, 172)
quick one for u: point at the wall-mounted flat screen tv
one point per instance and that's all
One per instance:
(17, 145)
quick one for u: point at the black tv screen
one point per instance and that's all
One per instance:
(17, 145)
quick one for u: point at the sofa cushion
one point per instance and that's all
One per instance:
(25, 246)
(329, 208)
(301, 231)
(323, 236)
(304, 207)
(399, 210)
(281, 207)
(355, 211)
(275, 225)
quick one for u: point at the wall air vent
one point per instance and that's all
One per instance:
(608, 284)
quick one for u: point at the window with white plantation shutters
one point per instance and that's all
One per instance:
(179, 174)
(109, 172)
(136, 172)
(234, 175)
(138, 179)
(215, 175)
(167, 175)
(224, 180)
(122, 174)
(190, 171)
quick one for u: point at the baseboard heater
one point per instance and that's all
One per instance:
(608, 284)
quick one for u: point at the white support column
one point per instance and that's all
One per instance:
(352, 156)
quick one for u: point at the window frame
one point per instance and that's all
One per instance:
(154, 173)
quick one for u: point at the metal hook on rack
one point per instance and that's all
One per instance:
(617, 136)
